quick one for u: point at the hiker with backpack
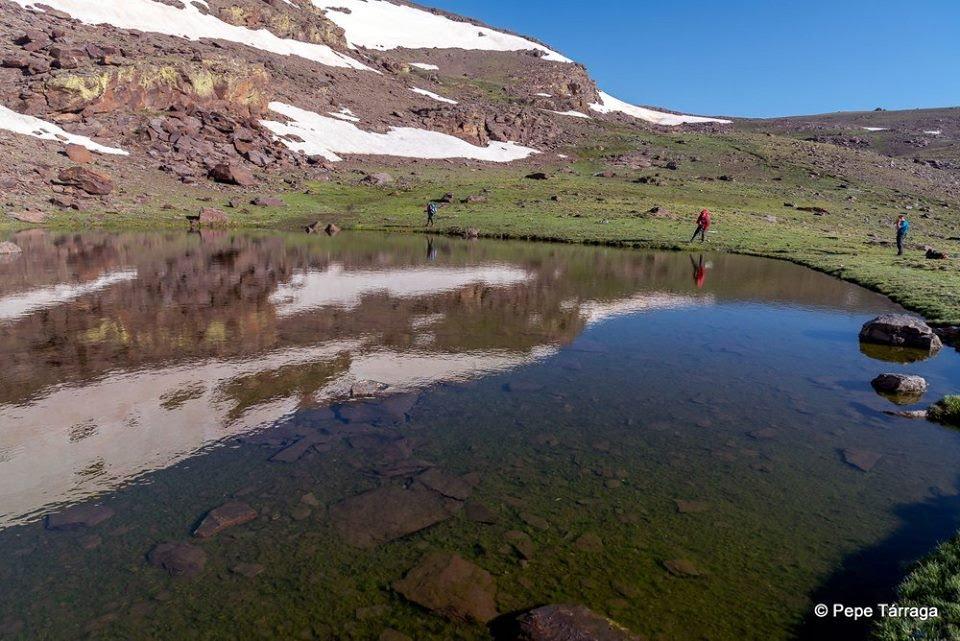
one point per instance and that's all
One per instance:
(431, 212)
(703, 224)
(903, 228)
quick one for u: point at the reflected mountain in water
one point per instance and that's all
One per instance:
(125, 354)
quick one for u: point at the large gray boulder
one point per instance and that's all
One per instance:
(902, 389)
(900, 330)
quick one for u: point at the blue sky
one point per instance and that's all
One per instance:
(750, 57)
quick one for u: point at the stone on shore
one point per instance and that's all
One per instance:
(8, 248)
(451, 586)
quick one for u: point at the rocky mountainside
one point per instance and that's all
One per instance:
(237, 91)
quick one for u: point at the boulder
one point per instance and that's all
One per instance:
(903, 389)
(377, 180)
(935, 254)
(178, 559)
(451, 586)
(79, 154)
(267, 201)
(211, 217)
(567, 623)
(32, 217)
(6, 247)
(230, 174)
(537, 175)
(388, 513)
(92, 181)
(472, 232)
(331, 230)
(226, 516)
(78, 516)
(900, 330)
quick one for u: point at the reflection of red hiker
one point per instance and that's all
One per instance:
(699, 272)
(703, 224)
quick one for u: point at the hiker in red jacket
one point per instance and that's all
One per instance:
(703, 224)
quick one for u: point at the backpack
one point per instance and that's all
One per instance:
(432, 209)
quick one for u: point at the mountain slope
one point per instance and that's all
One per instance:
(182, 87)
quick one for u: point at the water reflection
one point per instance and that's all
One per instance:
(127, 353)
(569, 418)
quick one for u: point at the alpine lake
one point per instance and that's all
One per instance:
(232, 435)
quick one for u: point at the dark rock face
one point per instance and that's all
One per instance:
(389, 513)
(900, 330)
(233, 175)
(226, 516)
(900, 388)
(178, 559)
(78, 516)
(449, 585)
(92, 181)
(568, 623)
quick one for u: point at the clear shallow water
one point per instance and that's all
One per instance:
(584, 391)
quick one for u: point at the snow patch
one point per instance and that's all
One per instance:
(30, 126)
(575, 114)
(381, 25)
(329, 137)
(345, 114)
(188, 22)
(430, 94)
(933, 132)
(425, 66)
(18, 305)
(544, 95)
(609, 104)
(874, 128)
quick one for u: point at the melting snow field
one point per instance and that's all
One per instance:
(874, 128)
(188, 22)
(30, 126)
(575, 114)
(430, 94)
(609, 104)
(425, 66)
(329, 137)
(376, 24)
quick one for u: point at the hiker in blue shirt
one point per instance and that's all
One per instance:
(431, 212)
(903, 227)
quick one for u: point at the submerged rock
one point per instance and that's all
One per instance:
(900, 330)
(449, 585)
(683, 568)
(567, 623)
(178, 559)
(902, 389)
(389, 513)
(78, 516)
(864, 460)
(691, 507)
(446, 484)
(226, 516)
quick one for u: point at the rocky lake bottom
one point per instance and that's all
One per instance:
(229, 435)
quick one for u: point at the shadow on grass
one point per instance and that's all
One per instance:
(871, 576)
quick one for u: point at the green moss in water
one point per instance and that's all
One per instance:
(946, 411)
